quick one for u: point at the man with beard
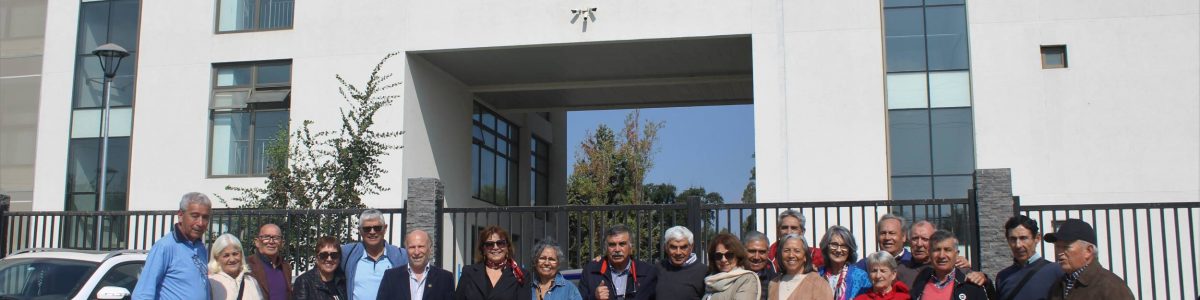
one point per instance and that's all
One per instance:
(618, 276)
(268, 267)
(418, 279)
(367, 260)
(756, 247)
(889, 233)
(680, 276)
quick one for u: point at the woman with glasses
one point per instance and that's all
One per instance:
(727, 264)
(494, 276)
(799, 281)
(227, 271)
(326, 280)
(547, 282)
(840, 251)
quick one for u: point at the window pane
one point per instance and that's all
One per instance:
(940, 2)
(232, 99)
(233, 76)
(905, 39)
(949, 89)
(120, 122)
(85, 123)
(93, 26)
(235, 15)
(268, 126)
(274, 74)
(501, 181)
(947, 37)
(230, 143)
(487, 191)
(489, 140)
(123, 27)
(82, 162)
(909, 137)
(89, 83)
(489, 120)
(502, 146)
(475, 170)
(909, 188)
(476, 133)
(894, 3)
(951, 187)
(906, 90)
(275, 14)
(953, 146)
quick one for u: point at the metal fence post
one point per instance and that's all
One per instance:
(4, 225)
(694, 220)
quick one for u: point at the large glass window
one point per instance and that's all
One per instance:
(249, 109)
(251, 15)
(539, 171)
(493, 158)
(930, 132)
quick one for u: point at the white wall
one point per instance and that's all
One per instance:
(1120, 124)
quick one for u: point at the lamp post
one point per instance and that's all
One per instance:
(110, 56)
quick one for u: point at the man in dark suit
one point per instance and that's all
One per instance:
(618, 276)
(417, 280)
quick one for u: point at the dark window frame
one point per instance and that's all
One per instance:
(512, 184)
(542, 159)
(257, 14)
(1047, 50)
(253, 109)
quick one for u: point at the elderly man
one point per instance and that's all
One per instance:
(418, 280)
(756, 248)
(367, 260)
(268, 267)
(177, 266)
(889, 234)
(618, 275)
(1075, 250)
(942, 280)
(680, 276)
(792, 222)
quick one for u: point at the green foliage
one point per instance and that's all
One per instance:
(749, 197)
(330, 169)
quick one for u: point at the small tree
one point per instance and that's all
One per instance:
(330, 169)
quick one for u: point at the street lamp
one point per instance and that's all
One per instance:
(110, 56)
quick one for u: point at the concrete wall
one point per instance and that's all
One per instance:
(1118, 125)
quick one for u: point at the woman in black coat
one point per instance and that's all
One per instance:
(326, 281)
(494, 276)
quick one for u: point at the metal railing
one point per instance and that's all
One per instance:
(1151, 245)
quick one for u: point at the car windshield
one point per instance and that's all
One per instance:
(43, 278)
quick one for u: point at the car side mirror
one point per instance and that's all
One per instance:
(113, 293)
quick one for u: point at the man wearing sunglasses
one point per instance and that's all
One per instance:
(367, 260)
(268, 267)
(618, 276)
(177, 265)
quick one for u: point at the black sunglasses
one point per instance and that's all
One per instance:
(328, 256)
(727, 255)
(369, 229)
(495, 244)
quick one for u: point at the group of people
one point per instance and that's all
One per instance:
(916, 261)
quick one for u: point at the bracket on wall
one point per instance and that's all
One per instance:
(586, 13)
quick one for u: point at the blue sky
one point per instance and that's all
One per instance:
(706, 146)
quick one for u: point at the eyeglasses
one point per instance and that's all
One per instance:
(717, 256)
(495, 244)
(270, 238)
(833, 246)
(547, 259)
(328, 256)
(369, 229)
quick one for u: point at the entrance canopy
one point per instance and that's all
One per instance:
(606, 75)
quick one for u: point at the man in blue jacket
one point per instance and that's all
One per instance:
(177, 266)
(618, 276)
(367, 260)
(1031, 275)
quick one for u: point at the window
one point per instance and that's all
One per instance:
(249, 108)
(1054, 57)
(539, 171)
(252, 15)
(493, 158)
(124, 275)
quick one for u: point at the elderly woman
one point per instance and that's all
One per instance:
(326, 280)
(840, 251)
(548, 283)
(494, 276)
(884, 286)
(727, 264)
(799, 281)
(227, 271)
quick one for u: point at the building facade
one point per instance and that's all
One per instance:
(853, 100)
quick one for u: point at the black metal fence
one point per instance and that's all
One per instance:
(1151, 245)
(579, 229)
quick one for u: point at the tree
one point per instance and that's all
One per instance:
(749, 197)
(330, 169)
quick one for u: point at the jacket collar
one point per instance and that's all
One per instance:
(277, 261)
(178, 234)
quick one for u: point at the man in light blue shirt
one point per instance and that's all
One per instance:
(367, 260)
(177, 264)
